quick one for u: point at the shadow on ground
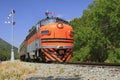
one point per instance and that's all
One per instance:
(51, 78)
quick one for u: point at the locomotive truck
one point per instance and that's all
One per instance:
(51, 39)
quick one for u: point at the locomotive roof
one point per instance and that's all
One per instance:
(53, 18)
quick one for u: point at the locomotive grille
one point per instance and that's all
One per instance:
(57, 49)
(54, 55)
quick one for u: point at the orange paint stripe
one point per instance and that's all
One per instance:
(56, 58)
(56, 44)
(47, 59)
(50, 57)
(68, 58)
(45, 52)
(67, 50)
(52, 49)
(31, 39)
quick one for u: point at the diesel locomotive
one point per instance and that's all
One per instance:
(51, 39)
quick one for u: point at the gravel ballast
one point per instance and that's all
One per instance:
(44, 71)
(74, 72)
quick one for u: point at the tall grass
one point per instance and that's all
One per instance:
(15, 70)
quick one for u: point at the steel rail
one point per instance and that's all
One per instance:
(90, 64)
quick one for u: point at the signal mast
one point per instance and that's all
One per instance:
(11, 15)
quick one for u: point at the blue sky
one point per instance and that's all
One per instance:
(29, 12)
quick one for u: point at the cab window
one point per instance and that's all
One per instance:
(48, 21)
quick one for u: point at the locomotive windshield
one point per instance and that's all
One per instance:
(48, 21)
(52, 20)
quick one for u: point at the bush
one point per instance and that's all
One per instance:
(82, 54)
(114, 56)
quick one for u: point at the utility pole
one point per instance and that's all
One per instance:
(11, 15)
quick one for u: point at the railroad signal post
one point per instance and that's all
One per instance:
(11, 16)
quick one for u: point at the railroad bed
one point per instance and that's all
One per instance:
(42, 71)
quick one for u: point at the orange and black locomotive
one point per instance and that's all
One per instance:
(50, 40)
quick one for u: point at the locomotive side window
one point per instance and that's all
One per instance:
(45, 32)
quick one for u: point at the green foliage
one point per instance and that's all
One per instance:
(4, 54)
(114, 56)
(5, 50)
(82, 54)
(97, 32)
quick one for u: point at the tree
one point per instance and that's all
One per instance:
(97, 32)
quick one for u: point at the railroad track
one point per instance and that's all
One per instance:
(92, 64)
(86, 64)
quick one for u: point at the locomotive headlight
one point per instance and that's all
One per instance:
(60, 25)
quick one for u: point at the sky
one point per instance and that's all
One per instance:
(29, 12)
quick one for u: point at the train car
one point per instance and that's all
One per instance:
(22, 51)
(50, 40)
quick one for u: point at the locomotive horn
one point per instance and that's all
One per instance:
(46, 13)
